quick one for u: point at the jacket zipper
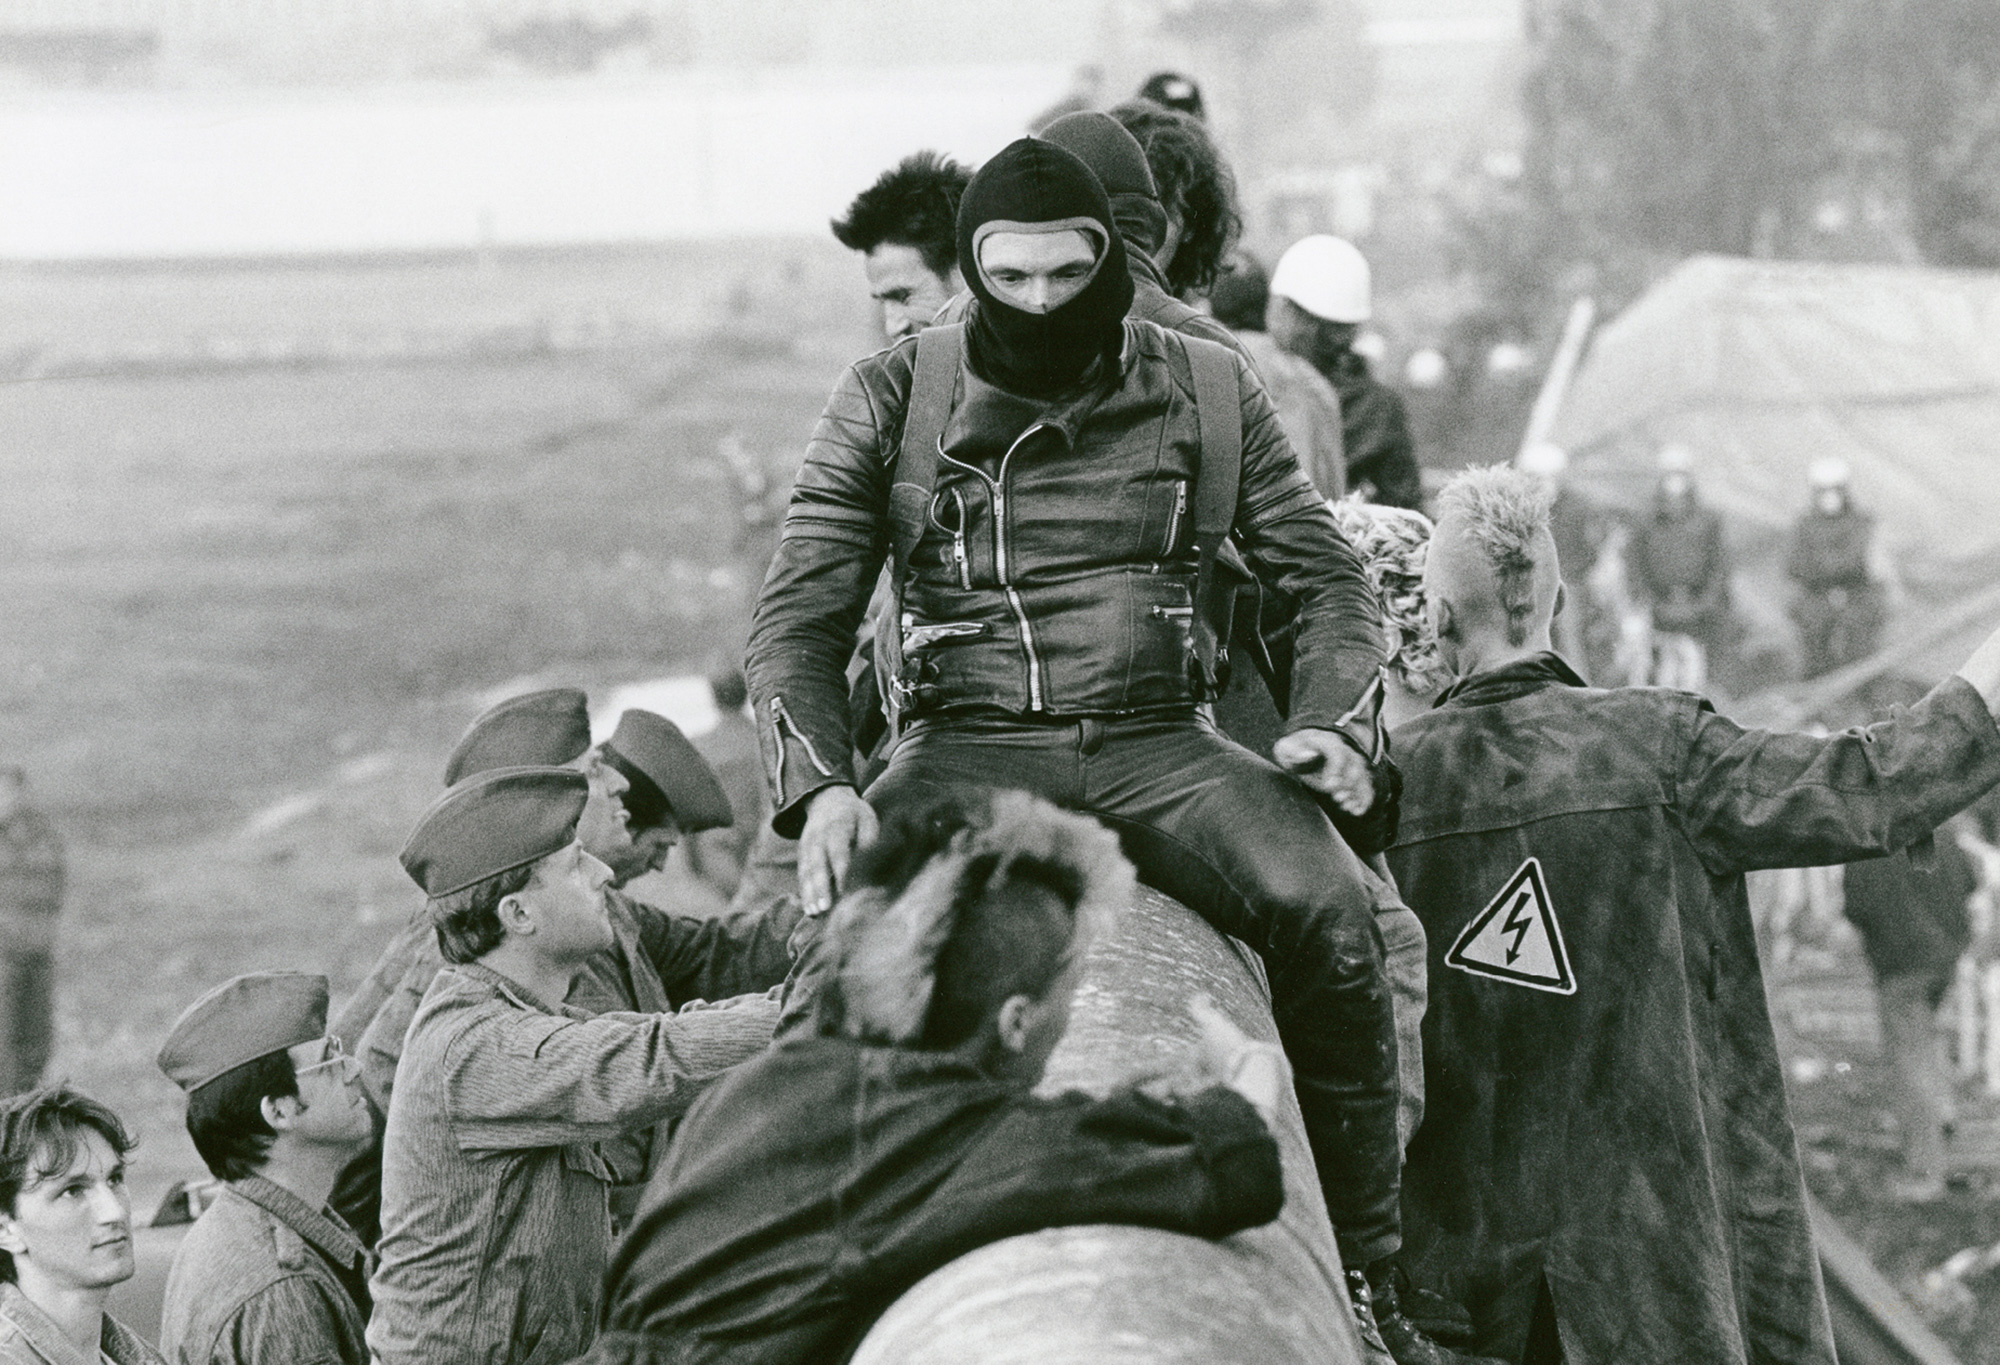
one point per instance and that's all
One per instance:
(781, 721)
(999, 487)
(1174, 516)
(958, 543)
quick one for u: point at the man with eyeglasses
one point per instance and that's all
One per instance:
(269, 1273)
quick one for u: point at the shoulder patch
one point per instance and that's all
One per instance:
(1516, 938)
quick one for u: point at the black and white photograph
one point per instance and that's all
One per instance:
(1034, 682)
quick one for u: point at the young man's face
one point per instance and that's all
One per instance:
(1037, 272)
(566, 899)
(73, 1230)
(650, 847)
(332, 1109)
(909, 291)
(605, 829)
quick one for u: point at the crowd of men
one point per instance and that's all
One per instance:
(1124, 635)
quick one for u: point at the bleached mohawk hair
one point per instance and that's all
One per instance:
(1506, 513)
(1392, 543)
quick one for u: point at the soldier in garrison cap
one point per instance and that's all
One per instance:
(496, 1220)
(648, 788)
(269, 1273)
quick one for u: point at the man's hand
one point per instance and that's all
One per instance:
(1325, 762)
(837, 822)
(1254, 1070)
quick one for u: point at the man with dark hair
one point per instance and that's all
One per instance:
(902, 226)
(496, 1221)
(268, 1275)
(820, 1181)
(1196, 188)
(647, 787)
(65, 1232)
(1606, 1170)
(1045, 568)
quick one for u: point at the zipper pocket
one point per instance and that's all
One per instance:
(1175, 514)
(921, 637)
(958, 543)
(1173, 613)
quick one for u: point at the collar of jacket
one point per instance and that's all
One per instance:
(513, 991)
(323, 1231)
(984, 405)
(1509, 681)
(46, 1339)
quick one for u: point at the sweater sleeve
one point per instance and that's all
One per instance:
(1205, 1166)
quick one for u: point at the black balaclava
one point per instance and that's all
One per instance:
(1115, 157)
(1029, 186)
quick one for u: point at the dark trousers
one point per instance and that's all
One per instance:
(1246, 846)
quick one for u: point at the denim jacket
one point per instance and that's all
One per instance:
(260, 1278)
(29, 1337)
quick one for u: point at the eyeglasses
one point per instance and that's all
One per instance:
(336, 1055)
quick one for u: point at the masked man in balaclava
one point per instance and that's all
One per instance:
(1046, 640)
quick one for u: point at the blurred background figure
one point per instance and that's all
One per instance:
(1321, 293)
(904, 225)
(1914, 925)
(1579, 528)
(1679, 566)
(1174, 91)
(718, 856)
(1197, 191)
(31, 891)
(1840, 593)
(1308, 408)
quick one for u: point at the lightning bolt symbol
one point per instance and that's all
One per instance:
(1517, 924)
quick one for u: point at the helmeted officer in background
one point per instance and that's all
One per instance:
(1047, 640)
(1679, 558)
(1834, 563)
(1606, 1171)
(268, 1275)
(1321, 293)
(31, 892)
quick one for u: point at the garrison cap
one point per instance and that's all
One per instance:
(549, 728)
(494, 822)
(664, 768)
(244, 1018)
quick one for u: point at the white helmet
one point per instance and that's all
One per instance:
(1544, 458)
(1327, 277)
(1828, 471)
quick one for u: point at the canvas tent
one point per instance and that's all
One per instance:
(1759, 367)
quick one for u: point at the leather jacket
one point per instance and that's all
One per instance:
(1055, 571)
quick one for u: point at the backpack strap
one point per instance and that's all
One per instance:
(940, 351)
(1218, 407)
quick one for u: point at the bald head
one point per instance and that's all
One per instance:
(1491, 578)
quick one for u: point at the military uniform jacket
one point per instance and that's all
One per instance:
(28, 1336)
(259, 1279)
(496, 1222)
(1604, 1101)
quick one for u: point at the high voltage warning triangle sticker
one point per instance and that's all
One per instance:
(1516, 938)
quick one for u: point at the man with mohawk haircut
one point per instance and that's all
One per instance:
(1606, 1169)
(801, 1197)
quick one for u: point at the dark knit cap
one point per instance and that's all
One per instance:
(1115, 157)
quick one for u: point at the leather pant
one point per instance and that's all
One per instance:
(1246, 846)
